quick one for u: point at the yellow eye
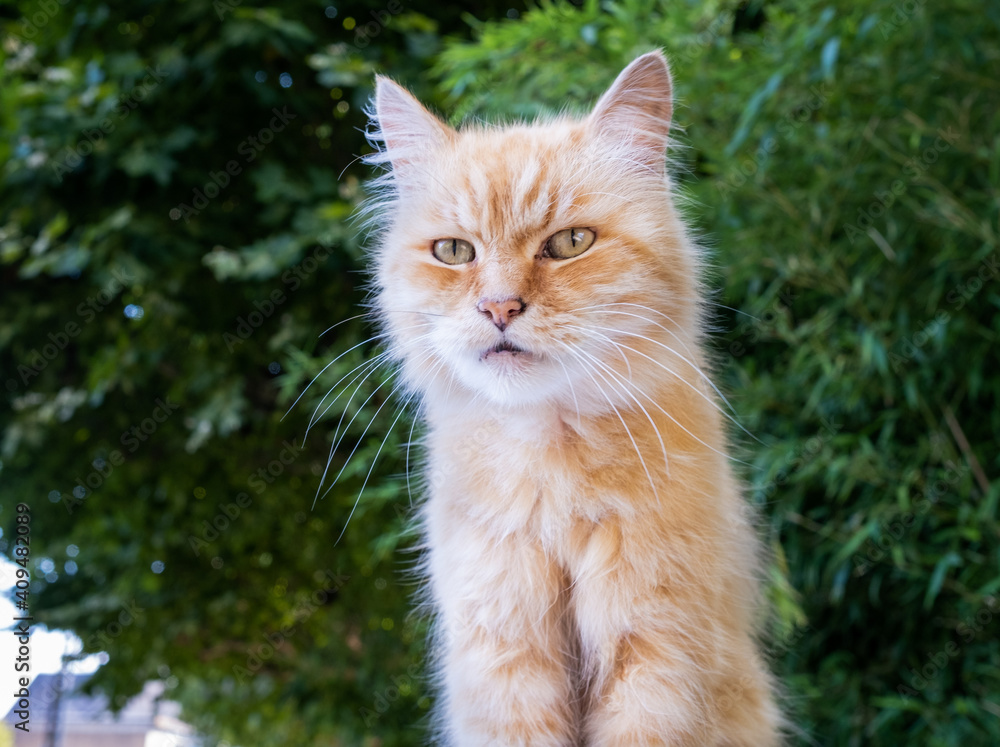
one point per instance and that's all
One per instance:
(571, 242)
(454, 251)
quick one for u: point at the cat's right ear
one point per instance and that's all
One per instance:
(635, 112)
(408, 131)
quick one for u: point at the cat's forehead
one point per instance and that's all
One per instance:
(514, 180)
(512, 154)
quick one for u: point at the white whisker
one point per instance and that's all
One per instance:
(335, 441)
(406, 467)
(645, 412)
(693, 388)
(371, 468)
(669, 370)
(313, 419)
(603, 307)
(345, 321)
(572, 389)
(675, 422)
(670, 332)
(628, 432)
(354, 347)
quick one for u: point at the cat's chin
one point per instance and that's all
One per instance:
(507, 375)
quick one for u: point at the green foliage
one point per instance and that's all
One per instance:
(153, 350)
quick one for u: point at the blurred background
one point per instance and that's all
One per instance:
(178, 183)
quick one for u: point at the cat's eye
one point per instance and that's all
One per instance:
(571, 242)
(454, 251)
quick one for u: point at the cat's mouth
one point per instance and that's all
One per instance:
(504, 349)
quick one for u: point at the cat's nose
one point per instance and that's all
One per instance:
(501, 312)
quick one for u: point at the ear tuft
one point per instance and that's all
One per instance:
(635, 112)
(406, 128)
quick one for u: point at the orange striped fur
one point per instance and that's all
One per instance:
(591, 562)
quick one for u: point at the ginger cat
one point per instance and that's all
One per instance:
(591, 563)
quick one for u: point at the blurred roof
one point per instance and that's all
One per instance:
(80, 713)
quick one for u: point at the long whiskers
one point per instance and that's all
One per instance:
(645, 412)
(379, 359)
(572, 389)
(657, 405)
(374, 313)
(371, 339)
(370, 363)
(406, 464)
(345, 321)
(371, 468)
(336, 445)
(336, 441)
(696, 390)
(638, 451)
(670, 332)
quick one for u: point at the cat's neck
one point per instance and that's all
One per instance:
(466, 413)
(470, 418)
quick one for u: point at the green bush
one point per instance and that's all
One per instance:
(841, 161)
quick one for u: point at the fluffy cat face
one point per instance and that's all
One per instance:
(535, 263)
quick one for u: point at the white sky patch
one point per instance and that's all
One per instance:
(47, 646)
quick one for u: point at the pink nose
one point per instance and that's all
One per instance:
(501, 312)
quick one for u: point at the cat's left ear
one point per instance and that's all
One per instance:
(409, 131)
(636, 110)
